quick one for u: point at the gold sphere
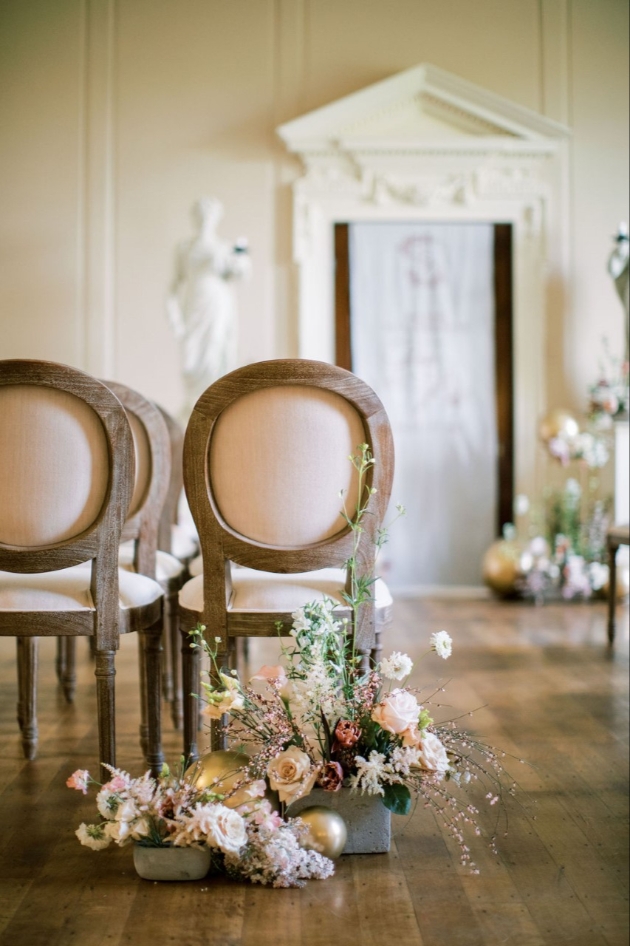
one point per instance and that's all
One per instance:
(558, 422)
(500, 566)
(327, 832)
(219, 771)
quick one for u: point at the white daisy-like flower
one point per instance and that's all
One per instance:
(92, 836)
(397, 666)
(442, 644)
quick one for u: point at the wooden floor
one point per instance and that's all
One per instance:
(553, 696)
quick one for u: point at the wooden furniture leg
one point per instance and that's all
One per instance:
(173, 658)
(151, 664)
(190, 699)
(612, 589)
(27, 648)
(69, 667)
(105, 673)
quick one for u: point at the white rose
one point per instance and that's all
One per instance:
(291, 774)
(228, 830)
(398, 712)
(432, 754)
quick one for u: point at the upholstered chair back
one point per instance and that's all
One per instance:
(266, 455)
(54, 467)
(278, 461)
(66, 478)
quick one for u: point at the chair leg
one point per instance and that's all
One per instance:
(60, 661)
(612, 591)
(167, 655)
(68, 677)
(142, 682)
(171, 638)
(190, 698)
(151, 667)
(27, 694)
(377, 650)
(105, 673)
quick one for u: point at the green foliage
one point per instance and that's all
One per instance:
(397, 798)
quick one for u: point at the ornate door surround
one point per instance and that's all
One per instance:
(426, 145)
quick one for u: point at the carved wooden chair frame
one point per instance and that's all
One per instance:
(99, 544)
(220, 544)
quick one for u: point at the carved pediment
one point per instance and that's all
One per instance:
(416, 109)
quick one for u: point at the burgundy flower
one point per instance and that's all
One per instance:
(331, 777)
(347, 733)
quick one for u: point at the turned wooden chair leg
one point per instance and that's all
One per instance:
(105, 673)
(170, 606)
(190, 698)
(171, 637)
(68, 677)
(377, 650)
(27, 694)
(60, 661)
(142, 681)
(612, 591)
(150, 674)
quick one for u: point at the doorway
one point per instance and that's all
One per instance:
(423, 313)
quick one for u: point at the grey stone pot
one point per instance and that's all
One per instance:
(368, 821)
(171, 863)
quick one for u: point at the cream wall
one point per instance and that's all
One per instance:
(116, 114)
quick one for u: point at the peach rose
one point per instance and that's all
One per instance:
(292, 774)
(268, 674)
(398, 713)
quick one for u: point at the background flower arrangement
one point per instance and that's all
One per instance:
(557, 548)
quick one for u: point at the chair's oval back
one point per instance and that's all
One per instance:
(54, 470)
(278, 461)
(266, 454)
(153, 469)
(66, 466)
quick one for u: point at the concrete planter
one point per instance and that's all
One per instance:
(171, 863)
(368, 821)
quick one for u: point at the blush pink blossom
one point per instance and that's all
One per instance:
(79, 780)
(267, 674)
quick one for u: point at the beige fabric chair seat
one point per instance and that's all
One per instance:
(183, 544)
(167, 567)
(268, 591)
(196, 566)
(69, 590)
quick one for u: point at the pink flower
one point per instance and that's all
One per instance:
(271, 675)
(331, 777)
(117, 784)
(79, 780)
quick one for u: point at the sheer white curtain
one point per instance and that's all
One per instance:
(422, 329)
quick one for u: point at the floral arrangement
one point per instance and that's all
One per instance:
(313, 721)
(250, 842)
(317, 721)
(609, 396)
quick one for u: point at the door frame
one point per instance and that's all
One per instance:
(503, 349)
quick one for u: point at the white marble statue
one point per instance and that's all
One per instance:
(618, 269)
(201, 306)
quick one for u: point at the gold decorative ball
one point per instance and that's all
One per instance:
(558, 423)
(220, 771)
(500, 566)
(327, 832)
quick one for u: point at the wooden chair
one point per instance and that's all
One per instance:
(66, 481)
(265, 456)
(140, 550)
(617, 535)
